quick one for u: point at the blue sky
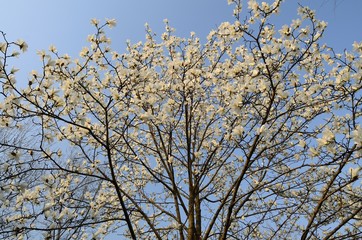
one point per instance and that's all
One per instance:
(66, 23)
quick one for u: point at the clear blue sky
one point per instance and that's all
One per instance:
(66, 23)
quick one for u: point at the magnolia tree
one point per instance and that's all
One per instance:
(254, 134)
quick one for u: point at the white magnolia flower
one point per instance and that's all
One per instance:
(52, 48)
(323, 24)
(111, 22)
(262, 129)
(15, 155)
(3, 46)
(238, 131)
(354, 172)
(302, 143)
(357, 136)
(22, 45)
(286, 31)
(253, 5)
(327, 138)
(95, 21)
(357, 46)
(255, 72)
(84, 52)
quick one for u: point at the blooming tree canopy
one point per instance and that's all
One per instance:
(253, 133)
